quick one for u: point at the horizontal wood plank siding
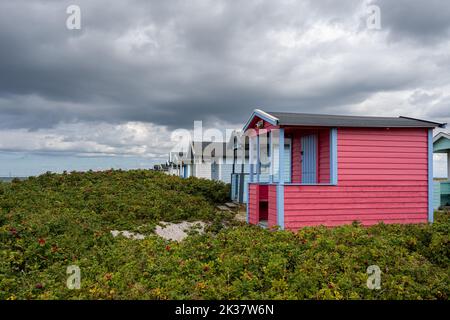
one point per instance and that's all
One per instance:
(272, 221)
(324, 156)
(382, 177)
(202, 170)
(296, 159)
(253, 203)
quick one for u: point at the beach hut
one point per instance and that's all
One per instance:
(315, 169)
(203, 159)
(239, 174)
(441, 144)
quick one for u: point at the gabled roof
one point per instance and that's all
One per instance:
(327, 120)
(441, 143)
(218, 147)
(207, 147)
(441, 135)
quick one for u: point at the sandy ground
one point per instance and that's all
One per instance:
(178, 231)
(128, 234)
(169, 231)
(241, 216)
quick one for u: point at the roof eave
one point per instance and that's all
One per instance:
(435, 124)
(351, 126)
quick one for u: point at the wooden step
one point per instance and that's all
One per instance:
(223, 208)
(231, 205)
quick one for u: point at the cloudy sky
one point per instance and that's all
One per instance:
(110, 94)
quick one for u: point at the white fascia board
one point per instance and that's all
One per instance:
(263, 115)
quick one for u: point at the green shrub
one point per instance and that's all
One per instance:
(52, 221)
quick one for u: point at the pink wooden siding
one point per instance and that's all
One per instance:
(272, 197)
(382, 176)
(253, 203)
(260, 203)
(296, 172)
(324, 157)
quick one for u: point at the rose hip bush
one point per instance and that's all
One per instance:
(53, 221)
(115, 197)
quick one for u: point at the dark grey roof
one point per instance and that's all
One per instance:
(218, 147)
(327, 120)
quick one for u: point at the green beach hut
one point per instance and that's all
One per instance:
(441, 144)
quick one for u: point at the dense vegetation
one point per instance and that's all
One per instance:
(52, 221)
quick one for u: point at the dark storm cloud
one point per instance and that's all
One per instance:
(172, 62)
(421, 21)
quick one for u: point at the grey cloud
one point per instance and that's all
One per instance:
(172, 62)
(422, 21)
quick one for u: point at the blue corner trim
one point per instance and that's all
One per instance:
(250, 178)
(333, 157)
(271, 157)
(280, 206)
(281, 157)
(280, 185)
(247, 204)
(250, 160)
(258, 161)
(430, 176)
